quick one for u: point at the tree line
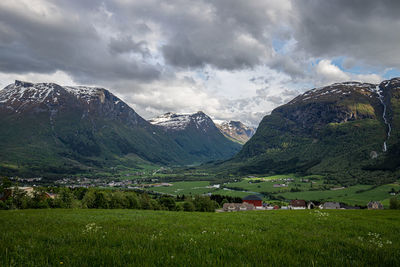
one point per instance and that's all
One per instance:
(13, 197)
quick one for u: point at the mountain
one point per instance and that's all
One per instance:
(236, 131)
(347, 131)
(48, 129)
(197, 134)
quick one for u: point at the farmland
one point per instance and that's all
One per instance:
(310, 188)
(132, 237)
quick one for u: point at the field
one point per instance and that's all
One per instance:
(354, 195)
(150, 238)
(312, 190)
(184, 188)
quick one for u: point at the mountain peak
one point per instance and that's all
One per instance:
(22, 83)
(176, 122)
(336, 92)
(236, 130)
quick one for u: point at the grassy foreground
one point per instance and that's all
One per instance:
(149, 238)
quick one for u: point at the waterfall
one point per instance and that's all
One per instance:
(385, 120)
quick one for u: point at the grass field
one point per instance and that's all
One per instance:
(160, 238)
(353, 195)
(185, 188)
(348, 195)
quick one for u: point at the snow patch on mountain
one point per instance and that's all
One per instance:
(337, 90)
(173, 121)
(236, 130)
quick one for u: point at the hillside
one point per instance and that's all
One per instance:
(236, 131)
(341, 131)
(198, 135)
(50, 129)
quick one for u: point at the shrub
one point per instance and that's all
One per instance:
(394, 204)
(188, 206)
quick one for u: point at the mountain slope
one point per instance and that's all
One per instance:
(338, 131)
(197, 134)
(47, 128)
(236, 131)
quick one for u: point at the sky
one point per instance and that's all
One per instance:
(232, 59)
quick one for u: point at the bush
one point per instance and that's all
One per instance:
(188, 206)
(205, 204)
(394, 204)
(168, 203)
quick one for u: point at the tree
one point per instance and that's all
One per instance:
(89, 199)
(168, 203)
(188, 206)
(64, 198)
(203, 203)
(394, 204)
(101, 200)
(133, 201)
(118, 200)
(145, 202)
(5, 183)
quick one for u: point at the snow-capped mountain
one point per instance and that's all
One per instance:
(236, 131)
(22, 97)
(197, 134)
(48, 128)
(177, 122)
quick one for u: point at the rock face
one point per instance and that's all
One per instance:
(178, 122)
(236, 131)
(23, 97)
(197, 134)
(331, 131)
(51, 129)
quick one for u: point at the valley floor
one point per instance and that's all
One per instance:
(149, 238)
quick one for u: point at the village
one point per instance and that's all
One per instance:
(254, 202)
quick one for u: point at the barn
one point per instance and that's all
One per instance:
(253, 199)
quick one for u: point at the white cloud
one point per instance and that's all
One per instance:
(58, 77)
(327, 73)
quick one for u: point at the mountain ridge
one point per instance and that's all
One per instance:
(198, 134)
(333, 131)
(236, 130)
(49, 129)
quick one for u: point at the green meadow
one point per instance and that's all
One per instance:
(313, 190)
(160, 238)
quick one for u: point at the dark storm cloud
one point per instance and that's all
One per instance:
(44, 43)
(125, 44)
(365, 30)
(229, 35)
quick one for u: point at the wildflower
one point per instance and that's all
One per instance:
(61, 262)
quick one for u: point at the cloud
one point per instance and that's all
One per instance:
(45, 38)
(233, 59)
(365, 31)
(328, 73)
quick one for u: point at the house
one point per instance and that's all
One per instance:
(375, 205)
(253, 199)
(310, 205)
(331, 206)
(279, 185)
(297, 204)
(230, 207)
